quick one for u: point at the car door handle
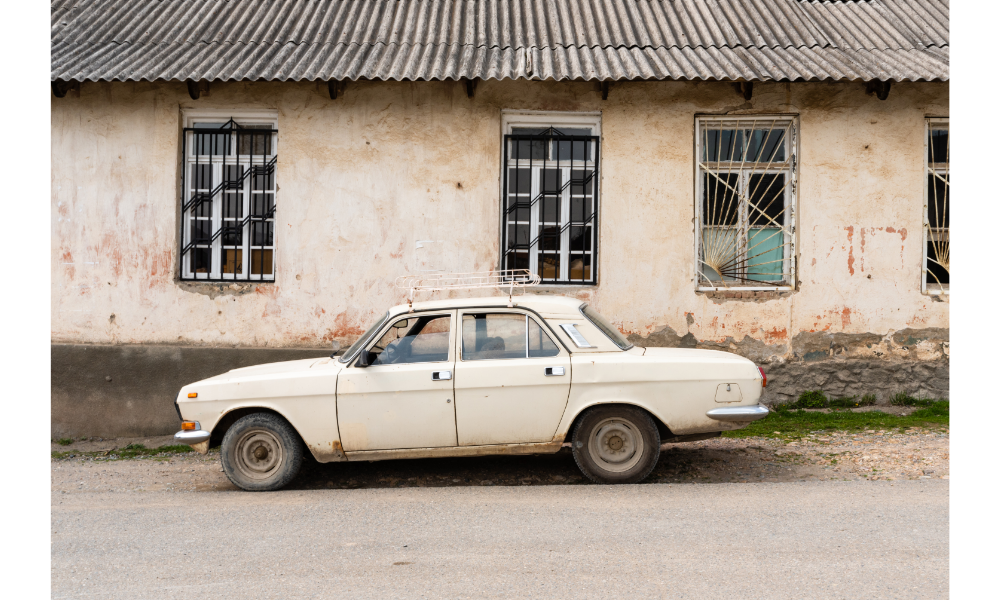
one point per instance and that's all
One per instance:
(555, 371)
(441, 375)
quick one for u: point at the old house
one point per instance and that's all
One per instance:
(238, 182)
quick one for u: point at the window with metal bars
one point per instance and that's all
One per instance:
(228, 199)
(745, 202)
(550, 197)
(937, 221)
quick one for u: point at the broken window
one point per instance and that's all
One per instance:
(228, 199)
(550, 190)
(937, 242)
(745, 202)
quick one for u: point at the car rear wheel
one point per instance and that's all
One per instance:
(616, 444)
(261, 452)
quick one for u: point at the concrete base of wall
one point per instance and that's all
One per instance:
(843, 378)
(125, 391)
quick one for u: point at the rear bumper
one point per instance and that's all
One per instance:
(738, 413)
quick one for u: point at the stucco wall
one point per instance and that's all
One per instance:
(363, 177)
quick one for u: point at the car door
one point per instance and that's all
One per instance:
(512, 379)
(404, 399)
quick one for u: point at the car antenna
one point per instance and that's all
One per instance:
(437, 282)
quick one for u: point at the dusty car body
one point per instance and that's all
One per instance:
(477, 376)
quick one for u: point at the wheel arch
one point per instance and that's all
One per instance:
(227, 420)
(661, 427)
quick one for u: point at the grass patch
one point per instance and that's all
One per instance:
(64, 441)
(902, 399)
(130, 451)
(784, 423)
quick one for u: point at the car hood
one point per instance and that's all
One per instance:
(278, 368)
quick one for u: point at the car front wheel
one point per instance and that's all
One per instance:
(616, 444)
(261, 452)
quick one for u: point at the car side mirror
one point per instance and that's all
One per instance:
(364, 359)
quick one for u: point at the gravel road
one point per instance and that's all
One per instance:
(500, 527)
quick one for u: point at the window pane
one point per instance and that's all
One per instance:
(527, 149)
(937, 262)
(254, 143)
(232, 177)
(212, 144)
(232, 261)
(605, 326)
(232, 235)
(232, 205)
(767, 200)
(766, 145)
(518, 235)
(262, 233)
(201, 260)
(548, 264)
(540, 345)
(764, 254)
(549, 238)
(579, 239)
(518, 260)
(581, 182)
(518, 181)
(937, 146)
(414, 340)
(201, 231)
(571, 150)
(261, 262)
(551, 181)
(722, 145)
(493, 336)
(201, 177)
(938, 202)
(579, 267)
(261, 205)
(263, 178)
(720, 201)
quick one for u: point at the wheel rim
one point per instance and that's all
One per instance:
(258, 454)
(616, 445)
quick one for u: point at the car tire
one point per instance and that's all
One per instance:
(261, 452)
(616, 444)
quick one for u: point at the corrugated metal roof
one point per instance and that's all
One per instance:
(903, 40)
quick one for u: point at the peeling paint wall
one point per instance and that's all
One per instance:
(364, 177)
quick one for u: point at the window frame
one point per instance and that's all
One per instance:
(511, 119)
(187, 158)
(932, 288)
(392, 320)
(789, 168)
(491, 310)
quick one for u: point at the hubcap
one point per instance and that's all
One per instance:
(258, 454)
(616, 445)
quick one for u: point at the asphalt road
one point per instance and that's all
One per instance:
(824, 539)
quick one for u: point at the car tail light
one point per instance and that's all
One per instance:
(189, 426)
(763, 377)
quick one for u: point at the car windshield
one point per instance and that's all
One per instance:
(364, 337)
(604, 325)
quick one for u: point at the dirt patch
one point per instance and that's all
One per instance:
(873, 455)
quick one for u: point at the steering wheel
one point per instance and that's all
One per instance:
(391, 353)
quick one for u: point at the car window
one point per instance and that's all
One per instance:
(493, 336)
(361, 341)
(606, 327)
(540, 344)
(413, 340)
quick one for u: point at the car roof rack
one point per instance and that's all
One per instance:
(436, 282)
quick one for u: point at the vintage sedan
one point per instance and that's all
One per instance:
(527, 374)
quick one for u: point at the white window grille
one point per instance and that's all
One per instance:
(937, 212)
(550, 183)
(746, 177)
(228, 197)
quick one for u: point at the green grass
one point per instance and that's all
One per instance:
(64, 441)
(902, 399)
(783, 423)
(130, 451)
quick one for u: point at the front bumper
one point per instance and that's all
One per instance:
(192, 437)
(743, 414)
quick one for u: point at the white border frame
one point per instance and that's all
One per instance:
(925, 225)
(252, 117)
(509, 119)
(791, 191)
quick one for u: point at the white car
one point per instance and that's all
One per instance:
(471, 377)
